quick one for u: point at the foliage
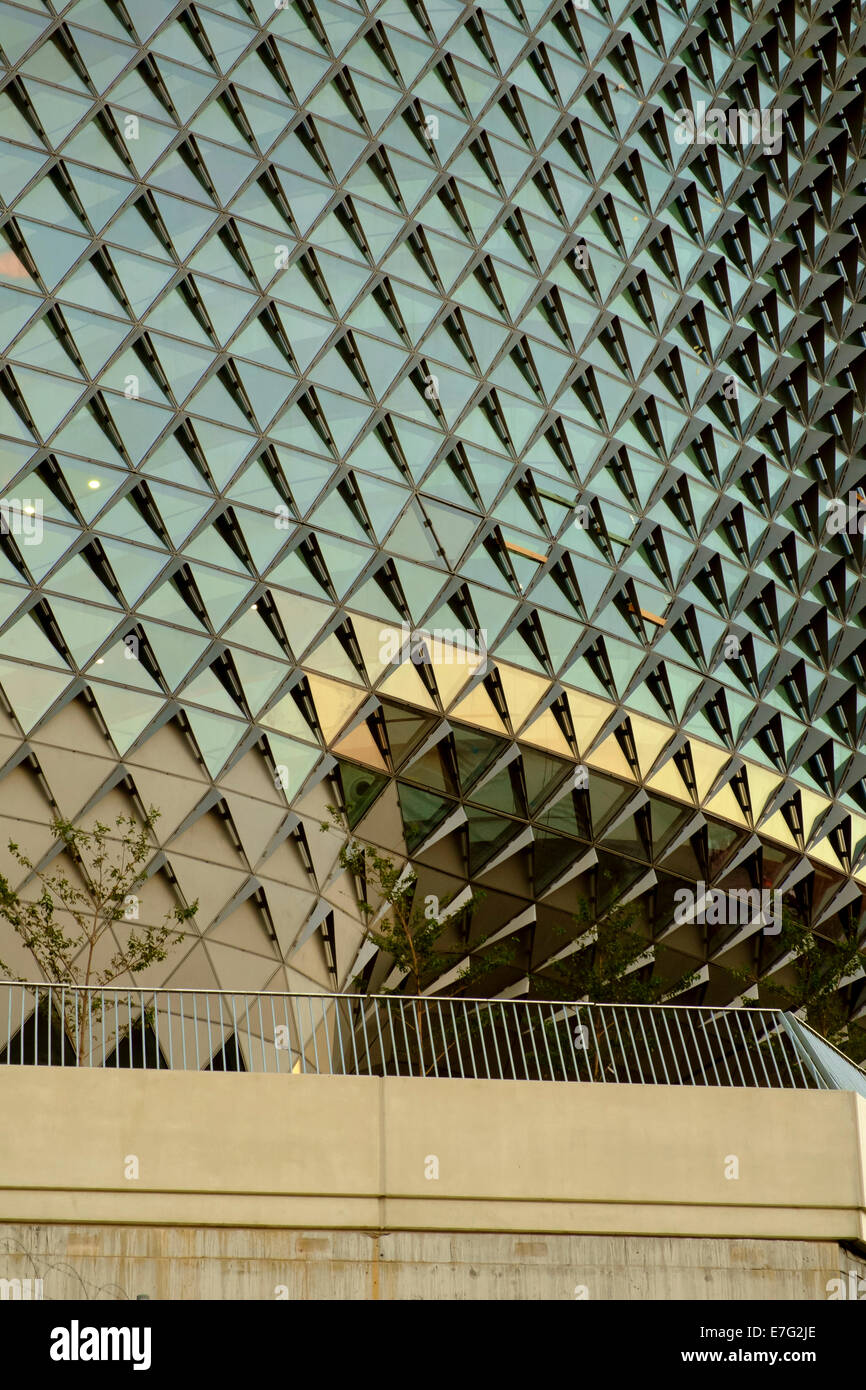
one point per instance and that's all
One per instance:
(65, 925)
(407, 930)
(812, 981)
(604, 969)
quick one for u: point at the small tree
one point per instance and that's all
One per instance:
(114, 870)
(605, 969)
(409, 931)
(815, 974)
(602, 970)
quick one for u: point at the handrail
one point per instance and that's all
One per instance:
(430, 1036)
(355, 996)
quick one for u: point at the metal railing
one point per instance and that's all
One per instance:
(428, 1036)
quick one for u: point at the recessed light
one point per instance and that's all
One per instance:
(93, 483)
(100, 661)
(30, 511)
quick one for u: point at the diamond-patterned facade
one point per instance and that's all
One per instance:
(326, 325)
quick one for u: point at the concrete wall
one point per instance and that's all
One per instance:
(361, 1153)
(748, 1189)
(111, 1262)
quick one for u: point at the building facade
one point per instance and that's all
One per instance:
(454, 414)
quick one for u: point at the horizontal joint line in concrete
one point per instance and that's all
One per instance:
(321, 1194)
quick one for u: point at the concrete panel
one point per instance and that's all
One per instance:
(176, 1263)
(180, 1148)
